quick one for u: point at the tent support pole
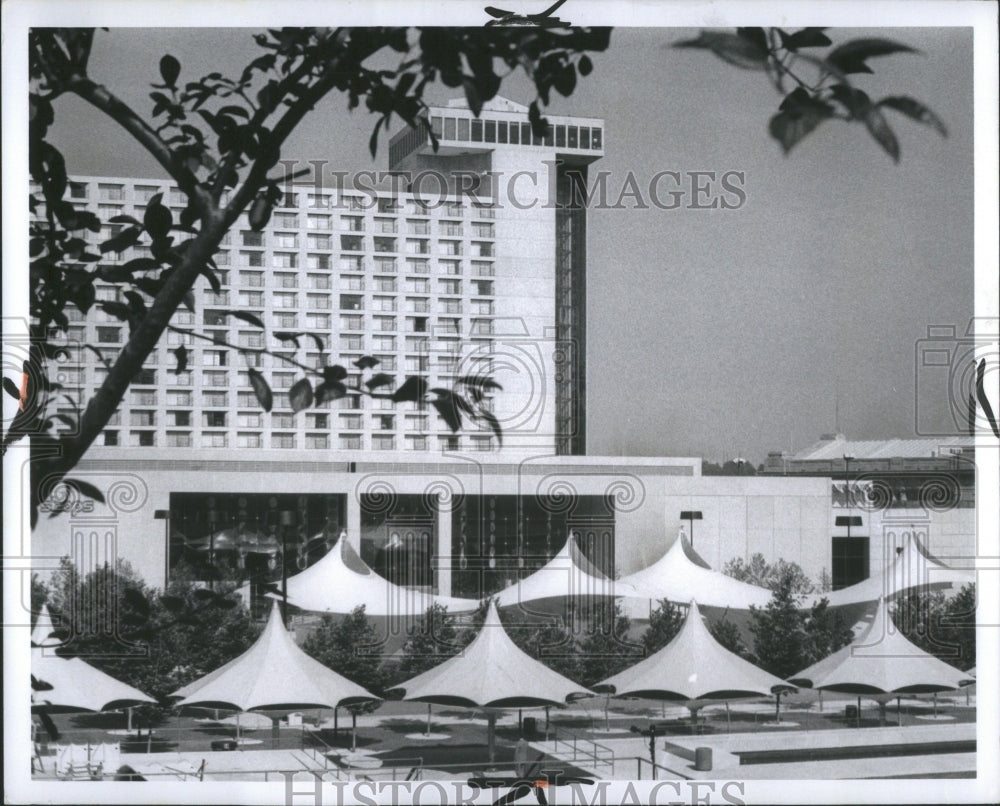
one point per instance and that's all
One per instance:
(935, 705)
(899, 716)
(128, 714)
(821, 701)
(354, 730)
(428, 719)
(777, 708)
(729, 726)
(859, 711)
(491, 735)
(336, 732)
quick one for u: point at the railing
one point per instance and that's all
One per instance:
(579, 745)
(640, 761)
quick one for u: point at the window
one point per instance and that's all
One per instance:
(181, 379)
(451, 228)
(143, 418)
(482, 249)
(417, 363)
(482, 307)
(450, 306)
(482, 230)
(251, 238)
(383, 442)
(385, 264)
(215, 399)
(143, 397)
(319, 200)
(179, 418)
(484, 211)
(416, 324)
(481, 444)
(449, 286)
(387, 363)
(286, 220)
(178, 439)
(222, 259)
(248, 440)
(317, 441)
(384, 343)
(214, 419)
(418, 285)
(318, 222)
(483, 288)
(383, 244)
(285, 319)
(285, 300)
(110, 437)
(352, 322)
(416, 442)
(251, 299)
(211, 439)
(285, 260)
(350, 421)
(387, 205)
(482, 327)
(318, 241)
(178, 398)
(145, 377)
(215, 318)
(351, 302)
(350, 442)
(449, 443)
(283, 380)
(418, 266)
(352, 223)
(384, 323)
(213, 358)
(449, 327)
(216, 379)
(418, 227)
(289, 199)
(246, 419)
(449, 247)
(482, 269)
(253, 279)
(385, 225)
(850, 561)
(417, 247)
(282, 440)
(111, 192)
(352, 243)
(78, 190)
(318, 421)
(317, 261)
(319, 321)
(252, 258)
(384, 303)
(110, 335)
(318, 302)
(142, 439)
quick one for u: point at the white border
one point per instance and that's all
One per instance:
(18, 15)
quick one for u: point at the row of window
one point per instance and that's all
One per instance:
(517, 133)
(184, 418)
(351, 442)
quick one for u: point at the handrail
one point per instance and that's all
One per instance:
(655, 767)
(593, 755)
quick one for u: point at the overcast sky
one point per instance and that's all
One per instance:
(713, 333)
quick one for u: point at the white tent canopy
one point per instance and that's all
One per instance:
(273, 675)
(678, 578)
(492, 672)
(693, 666)
(568, 574)
(912, 567)
(78, 686)
(341, 581)
(882, 661)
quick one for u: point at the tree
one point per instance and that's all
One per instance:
(664, 623)
(605, 648)
(769, 575)
(432, 640)
(349, 647)
(826, 630)
(944, 627)
(781, 644)
(817, 88)
(220, 139)
(729, 636)
(551, 643)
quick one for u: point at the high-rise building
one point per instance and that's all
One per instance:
(471, 263)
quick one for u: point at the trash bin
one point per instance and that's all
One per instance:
(530, 726)
(703, 758)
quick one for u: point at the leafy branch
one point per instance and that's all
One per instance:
(822, 87)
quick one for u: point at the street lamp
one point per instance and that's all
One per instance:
(691, 515)
(287, 518)
(164, 515)
(847, 479)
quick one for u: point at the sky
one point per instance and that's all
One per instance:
(712, 333)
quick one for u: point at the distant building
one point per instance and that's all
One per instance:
(888, 487)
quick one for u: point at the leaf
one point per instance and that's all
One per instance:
(585, 65)
(330, 390)
(85, 488)
(479, 381)
(189, 301)
(172, 604)
(11, 388)
(804, 38)
(855, 101)
(213, 279)
(301, 395)
(247, 317)
(124, 219)
(755, 36)
(447, 406)
(731, 48)
(181, 353)
(381, 379)
(136, 601)
(912, 108)
(170, 69)
(850, 57)
(878, 126)
(318, 341)
(334, 372)
(157, 219)
(122, 241)
(99, 354)
(366, 362)
(800, 114)
(292, 337)
(413, 389)
(261, 389)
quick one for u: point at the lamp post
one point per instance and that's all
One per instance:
(211, 547)
(847, 480)
(164, 515)
(691, 515)
(287, 517)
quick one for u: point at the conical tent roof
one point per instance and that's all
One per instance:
(41, 635)
(78, 686)
(882, 661)
(678, 578)
(492, 672)
(569, 573)
(912, 567)
(274, 674)
(693, 666)
(341, 581)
